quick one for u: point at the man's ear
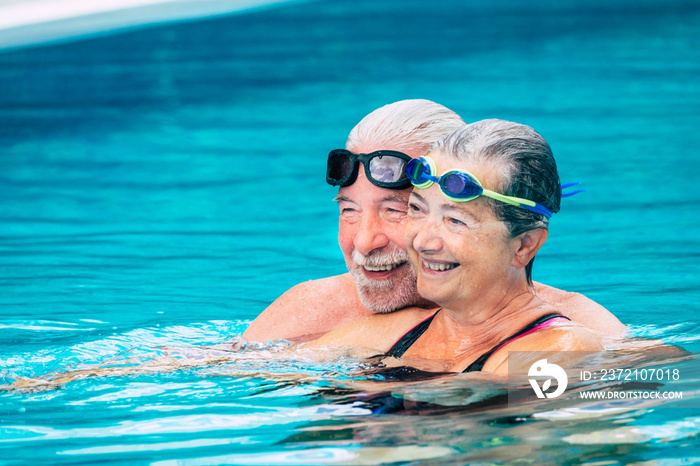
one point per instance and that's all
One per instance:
(527, 244)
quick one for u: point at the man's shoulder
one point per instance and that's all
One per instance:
(406, 316)
(556, 296)
(323, 288)
(309, 309)
(336, 295)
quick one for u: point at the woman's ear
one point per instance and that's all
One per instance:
(527, 244)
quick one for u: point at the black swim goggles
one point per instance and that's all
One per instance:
(383, 168)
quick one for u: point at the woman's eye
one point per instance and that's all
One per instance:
(456, 222)
(413, 208)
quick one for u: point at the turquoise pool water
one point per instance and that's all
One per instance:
(160, 187)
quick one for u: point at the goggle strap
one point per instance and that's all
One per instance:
(516, 201)
(540, 209)
(568, 185)
(532, 206)
(573, 192)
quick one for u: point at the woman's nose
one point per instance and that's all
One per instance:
(427, 237)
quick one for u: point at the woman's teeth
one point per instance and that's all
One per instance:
(441, 267)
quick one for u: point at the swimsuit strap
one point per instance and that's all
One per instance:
(533, 326)
(410, 337)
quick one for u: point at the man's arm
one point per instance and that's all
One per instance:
(585, 311)
(377, 331)
(308, 310)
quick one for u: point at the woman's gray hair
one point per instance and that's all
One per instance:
(405, 125)
(527, 168)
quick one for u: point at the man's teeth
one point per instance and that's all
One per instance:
(432, 266)
(381, 268)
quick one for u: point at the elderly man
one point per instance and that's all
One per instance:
(373, 199)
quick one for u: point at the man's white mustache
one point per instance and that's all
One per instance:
(381, 258)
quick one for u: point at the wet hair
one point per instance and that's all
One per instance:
(405, 125)
(526, 165)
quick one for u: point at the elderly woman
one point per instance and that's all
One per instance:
(478, 214)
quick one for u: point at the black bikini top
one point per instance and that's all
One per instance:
(409, 338)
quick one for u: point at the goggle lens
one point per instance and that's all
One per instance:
(418, 171)
(387, 169)
(339, 167)
(460, 186)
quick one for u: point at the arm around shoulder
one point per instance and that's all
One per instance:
(377, 332)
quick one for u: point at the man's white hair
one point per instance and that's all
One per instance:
(405, 125)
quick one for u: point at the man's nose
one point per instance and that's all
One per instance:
(371, 234)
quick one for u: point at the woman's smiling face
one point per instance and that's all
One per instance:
(461, 251)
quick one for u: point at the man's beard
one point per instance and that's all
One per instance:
(392, 293)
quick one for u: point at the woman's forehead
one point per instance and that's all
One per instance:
(488, 172)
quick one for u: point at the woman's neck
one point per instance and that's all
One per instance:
(485, 324)
(492, 304)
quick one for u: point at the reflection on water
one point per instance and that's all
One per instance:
(31, 22)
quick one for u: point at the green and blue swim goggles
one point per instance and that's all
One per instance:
(383, 168)
(462, 186)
